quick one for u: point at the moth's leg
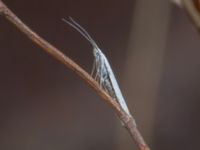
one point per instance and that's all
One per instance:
(97, 67)
(102, 72)
(93, 68)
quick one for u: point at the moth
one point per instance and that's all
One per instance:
(102, 70)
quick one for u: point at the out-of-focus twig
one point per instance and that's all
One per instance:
(127, 120)
(192, 8)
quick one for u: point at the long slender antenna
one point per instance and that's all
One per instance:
(80, 27)
(81, 30)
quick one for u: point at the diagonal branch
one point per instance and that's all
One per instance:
(127, 120)
(192, 8)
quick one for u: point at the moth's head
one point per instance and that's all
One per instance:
(97, 51)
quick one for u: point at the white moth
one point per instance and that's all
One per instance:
(104, 74)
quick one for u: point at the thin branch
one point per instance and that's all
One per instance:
(192, 9)
(127, 120)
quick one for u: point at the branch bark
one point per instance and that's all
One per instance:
(126, 119)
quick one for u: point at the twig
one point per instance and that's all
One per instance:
(126, 119)
(192, 9)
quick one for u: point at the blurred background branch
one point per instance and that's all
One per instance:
(192, 8)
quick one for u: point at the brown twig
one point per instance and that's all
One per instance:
(192, 8)
(192, 11)
(127, 120)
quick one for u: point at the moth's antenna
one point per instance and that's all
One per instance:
(76, 28)
(80, 27)
(81, 30)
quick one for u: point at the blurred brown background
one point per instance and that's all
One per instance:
(153, 49)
